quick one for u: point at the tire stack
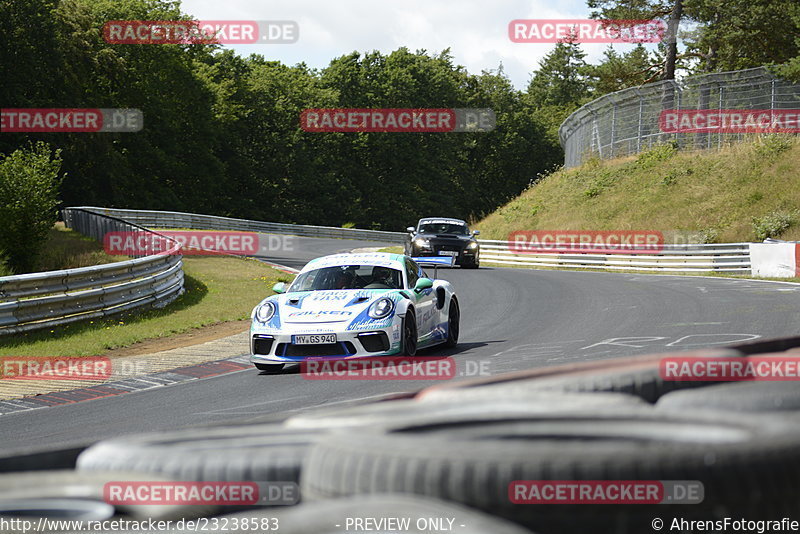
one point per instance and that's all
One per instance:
(457, 452)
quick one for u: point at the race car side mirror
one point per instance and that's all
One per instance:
(280, 287)
(410, 229)
(476, 232)
(422, 284)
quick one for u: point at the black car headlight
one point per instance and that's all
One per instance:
(381, 308)
(472, 246)
(265, 311)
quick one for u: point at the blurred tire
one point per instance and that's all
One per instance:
(67, 509)
(453, 324)
(261, 453)
(79, 496)
(749, 466)
(737, 397)
(641, 380)
(398, 412)
(409, 329)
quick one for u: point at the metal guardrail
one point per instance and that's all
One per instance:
(44, 300)
(177, 219)
(627, 121)
(728, 257)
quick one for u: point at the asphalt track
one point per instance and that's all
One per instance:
(512, 319)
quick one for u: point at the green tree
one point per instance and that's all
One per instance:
(740, 34)
(619, 71)
(398, 177)
(671, 11)
(29, 180)
(730, 35)
(560, 85)
(64, 62)
(562, 77)
(791, 68)
(297, 170)
(221, 132)
(507, 159)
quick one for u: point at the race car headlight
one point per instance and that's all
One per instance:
(472, 246)
(381, 308)
(421, 242)
(265, 312)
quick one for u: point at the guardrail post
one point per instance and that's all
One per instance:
(613, 128)
(677, 91)
(719, 134)
(639, 127)
(772, 97)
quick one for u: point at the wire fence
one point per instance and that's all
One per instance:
(628, 121)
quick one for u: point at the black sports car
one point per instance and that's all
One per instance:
(438, 236)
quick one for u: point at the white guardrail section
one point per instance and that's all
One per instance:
(177, 219)
(722, 257)
(53, 298)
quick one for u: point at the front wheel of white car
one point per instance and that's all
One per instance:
(410, 334)
(273, 367)
(453, 324)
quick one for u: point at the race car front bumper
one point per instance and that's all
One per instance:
(273, 347)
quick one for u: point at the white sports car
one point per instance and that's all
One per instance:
(354, 305)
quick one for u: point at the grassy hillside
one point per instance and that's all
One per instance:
(744, 192)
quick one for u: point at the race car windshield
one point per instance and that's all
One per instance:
(458, 229)
(348, 277)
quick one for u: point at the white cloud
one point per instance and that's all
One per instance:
(474, 30)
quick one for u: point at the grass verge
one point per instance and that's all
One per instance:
(66, 249)
(218, 289)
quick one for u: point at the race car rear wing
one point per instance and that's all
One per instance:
(435, 262)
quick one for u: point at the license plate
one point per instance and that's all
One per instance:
(448, 253)
(314, 339)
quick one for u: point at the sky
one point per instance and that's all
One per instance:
(475, 31)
